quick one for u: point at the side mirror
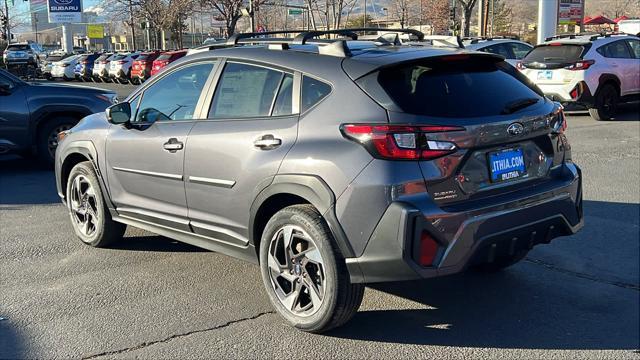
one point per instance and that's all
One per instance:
(119, 113)
(5, 89)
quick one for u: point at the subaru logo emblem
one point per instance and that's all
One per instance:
(515, 129)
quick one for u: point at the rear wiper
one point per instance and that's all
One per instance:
(514, 106)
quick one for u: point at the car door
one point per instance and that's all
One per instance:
(236, 152)
(145, 158)
(634, 45)
(621, 64)
(14, 114)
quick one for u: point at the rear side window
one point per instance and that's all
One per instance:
(520, 50)
(312, 92)
(500, 49)
(245, 91)
(284, 100)
(556, 54)
(457, 88)
(617, 50)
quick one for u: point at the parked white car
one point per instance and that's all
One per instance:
(64, 69)
(512, 49)
(630, 26)
(120, 66)
(596, 71)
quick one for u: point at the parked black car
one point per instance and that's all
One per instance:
(32, 114)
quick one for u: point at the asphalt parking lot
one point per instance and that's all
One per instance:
(152, 297)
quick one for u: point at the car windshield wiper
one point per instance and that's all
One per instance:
(514, 106)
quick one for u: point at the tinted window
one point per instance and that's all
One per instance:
(174, 97)
(102, 57)
(164, 57)
(500, 49)
(561, 54)
(617, 49)
(245, 91)
(463, 88)
(18, 47)
(312, 92)
(635, 46)
(118, 57)
(520, 50)
(284, 103)
(143, 57)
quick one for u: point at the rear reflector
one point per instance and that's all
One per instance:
(401, 142)
(428, 249)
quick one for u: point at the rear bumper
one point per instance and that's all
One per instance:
(481, 235)
(562, 94)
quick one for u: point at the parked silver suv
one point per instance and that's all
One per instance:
(331, 163)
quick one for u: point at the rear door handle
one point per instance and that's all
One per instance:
(267, 142)
(173, 145)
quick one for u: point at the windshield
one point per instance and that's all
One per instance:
(457, 88)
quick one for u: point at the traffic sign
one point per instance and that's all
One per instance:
(294, 11)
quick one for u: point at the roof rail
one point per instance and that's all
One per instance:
(302, 37)
(477, 39)
(570, 36)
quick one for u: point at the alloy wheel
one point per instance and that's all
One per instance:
(296, 270)
(52, 140)
(84, 205)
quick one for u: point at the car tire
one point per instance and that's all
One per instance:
(606, 103)
(47, 138)
(311, 262)
(89, 214)
(501, 263)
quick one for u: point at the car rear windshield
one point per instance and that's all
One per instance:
(55, 57)
(555, 54)
(119, 57)
(164, 57)
(103, 57)
(142, 57)
(460, 88)
(18, 47)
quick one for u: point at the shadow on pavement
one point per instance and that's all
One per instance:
(23, 182)
(12, 345)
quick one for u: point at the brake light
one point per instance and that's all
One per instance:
(428, 249)
(401, 142)
(580, 65)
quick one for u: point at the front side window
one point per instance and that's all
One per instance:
(245, 91)
(312, 92)
(174, 97)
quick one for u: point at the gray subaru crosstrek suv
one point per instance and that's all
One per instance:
(331, 164)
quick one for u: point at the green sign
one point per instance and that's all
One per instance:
(295, 11)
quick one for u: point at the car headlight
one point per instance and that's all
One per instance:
(110, 97)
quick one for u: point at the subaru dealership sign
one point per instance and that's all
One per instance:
(64, 11)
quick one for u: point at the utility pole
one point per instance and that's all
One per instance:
(35, 24)
(251, 19)
(364, 19)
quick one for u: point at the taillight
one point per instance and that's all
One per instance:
(120, 62)
(580, 65)
(559, 122)
(428, 249)
(401, 142)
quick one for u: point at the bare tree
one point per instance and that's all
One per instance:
(436, 14)
(467, 11)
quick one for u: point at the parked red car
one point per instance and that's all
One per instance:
(166, 59)
(141, 69)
